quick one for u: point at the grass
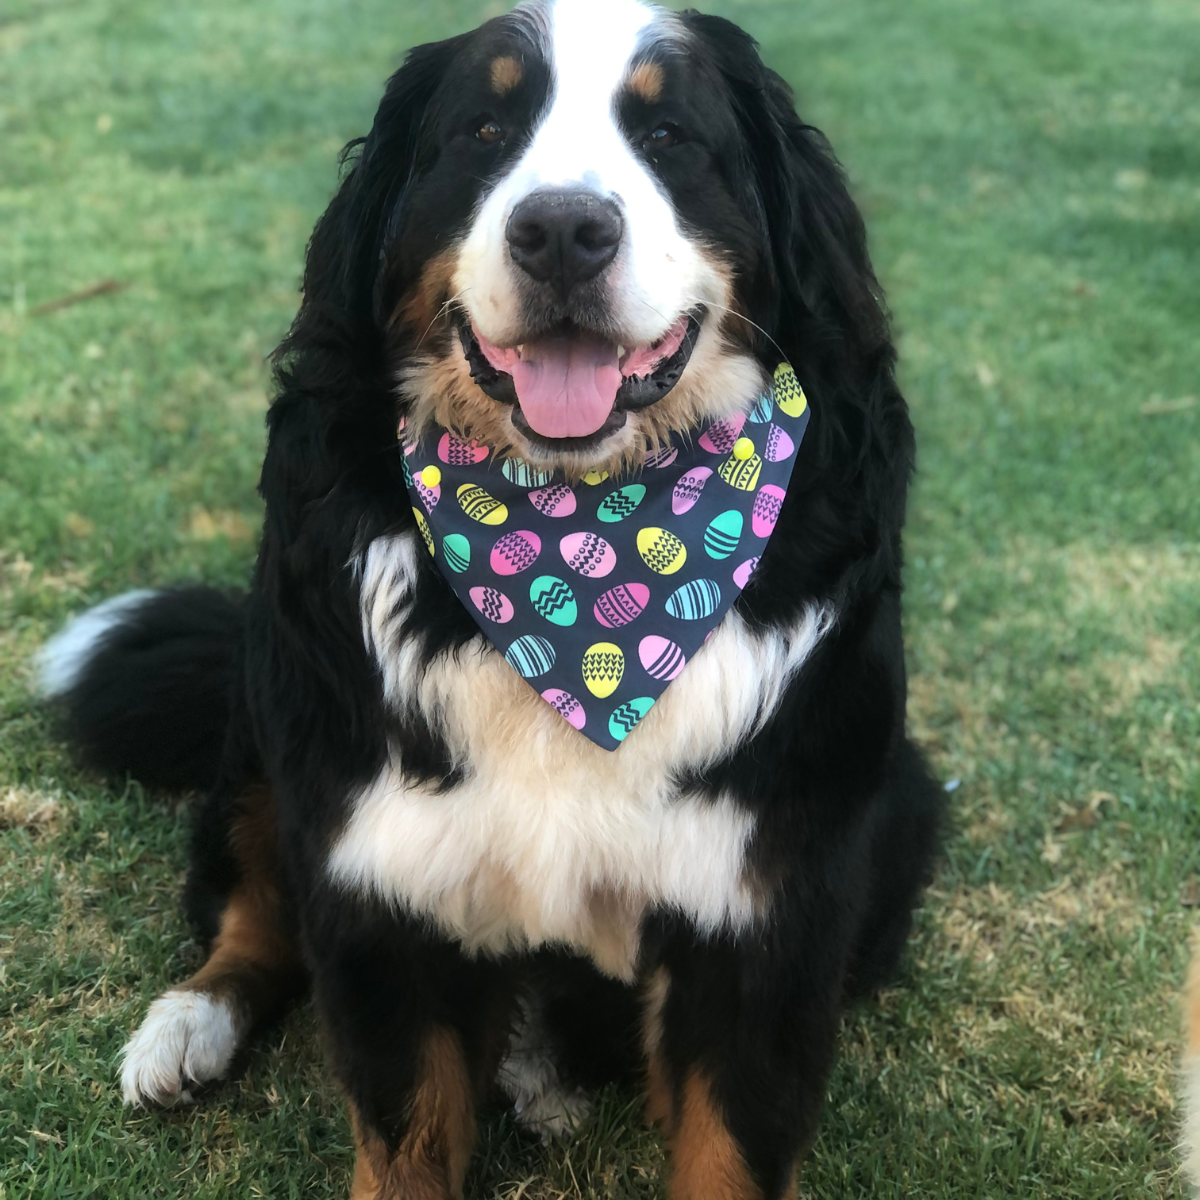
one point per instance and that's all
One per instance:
(1031, 175)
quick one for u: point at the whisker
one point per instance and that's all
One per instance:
(438, 316)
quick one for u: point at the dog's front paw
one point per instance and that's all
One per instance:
(187, 1039)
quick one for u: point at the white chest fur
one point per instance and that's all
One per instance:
(550, 838)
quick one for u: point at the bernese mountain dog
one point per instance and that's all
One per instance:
(580, 248)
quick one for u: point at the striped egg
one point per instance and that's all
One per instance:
(603, 665)
(789, 395)
(423, 526)
(626, 716)
(621, 604)
(723, 534)
(429, 495)
(457, 552)
(780, 447)
(767, 504)
(687, 490)
(741, 576)
(664, 456)
(720, 436)
(618, 505)
(661, 550)
(454, 452)
(695, 600)
(515, 551)
(760, 414)
(557, 500)
(493, 604)
(661, 658)
(553, 599)
(530, 656)
(566, 706)
(517, 471)
(480, 506)
(589, 554)
(592, 478)
(741, 473)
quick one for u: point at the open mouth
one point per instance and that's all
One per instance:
(572, 389)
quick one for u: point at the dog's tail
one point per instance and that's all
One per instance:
(144, 684)
(1191, 1072)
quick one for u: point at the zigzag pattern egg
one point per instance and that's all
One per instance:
(515, 551)
(423, 526)
(661, 550)
(530, 656)
(767, 504)
(741, 473)
(553, 599)
(723, 534)
(603, 666)
(618, 505)
(518, 471)
(687, 490)
(621, 604)
(454, 452)
(780, 447)
(661, 658)
(626, 716)
(429, 495)
(741, 576)
(589, 554)
(566, 706)
(720, 436)
(492, 603)
(789, 395)
(557, 500)
(480, 506)
(694, 601)
(457, 551)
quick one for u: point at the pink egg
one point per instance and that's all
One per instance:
(621, 604)
(780, 447)
(661, 658)
(663, 457)
(493, 604)
(742, 575)
(721, 435)
(557, 500)
(767, 504)
(566, 706)
(429, 495)
(687, 490)
(453, 451)
(515, 551)
(589, 554)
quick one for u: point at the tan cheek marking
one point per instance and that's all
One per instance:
(421, 305)
(646, 82)
(507, 72)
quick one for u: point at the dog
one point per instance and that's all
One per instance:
(576, 243)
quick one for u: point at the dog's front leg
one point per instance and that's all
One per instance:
(416, 1030)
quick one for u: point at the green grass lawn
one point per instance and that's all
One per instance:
(1031, 175)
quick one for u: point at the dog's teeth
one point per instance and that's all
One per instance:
(620, 351)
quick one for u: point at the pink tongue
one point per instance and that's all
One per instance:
(567, 386)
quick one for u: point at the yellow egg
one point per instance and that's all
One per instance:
(423, 526)
(594, 477)
(480, 506)
(603, 666)
(741, 473)
(661, 550)
(789, 395)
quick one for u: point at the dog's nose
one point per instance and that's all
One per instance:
(564, 238)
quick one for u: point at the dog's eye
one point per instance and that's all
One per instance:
(661, 137)
(490, 132)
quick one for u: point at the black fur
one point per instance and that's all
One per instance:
(847, 815)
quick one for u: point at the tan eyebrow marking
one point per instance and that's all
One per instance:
(646, 82)
(507, 72)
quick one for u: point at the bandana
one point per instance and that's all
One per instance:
(598, 594)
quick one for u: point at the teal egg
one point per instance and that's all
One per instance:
(523, 475)
(530, 656)
(723, 534)
(627, 715)
(694, 601)
(616, 506)
(554, 600)
(763, 410)
(457, 550)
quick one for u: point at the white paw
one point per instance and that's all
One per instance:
(187, 1038)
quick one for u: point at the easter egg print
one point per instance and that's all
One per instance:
(553, 599)
(592, 478)
(741, 576)
(566, 706)
(457, 552)
(517, 471)
(603, 665)
(780, 447)
(626, 716)
(660, 657)
(789, 395)
(430, 494)
(721, 436)
(589, 554)
(423, 526)
(687, 490)
(515, 551)
(557, 500)
(662, 457)
(618, 505)
(530, 656)
(741, 473)
(493, 604)
(621, 604)
(767, 504)
(454, 452)
(762, 412)
(723, 534)
(480, 506)
(694, 601)
(661, 550)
